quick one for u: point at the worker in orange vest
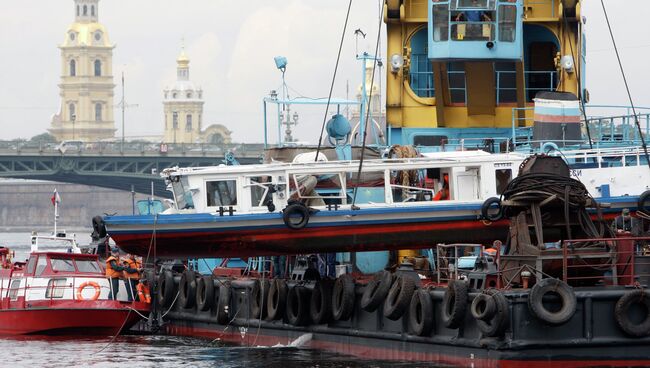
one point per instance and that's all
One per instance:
(132, 270)
(443, 194)
(143, 291)
(114, 272)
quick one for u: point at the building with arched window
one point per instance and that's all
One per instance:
(86, 79)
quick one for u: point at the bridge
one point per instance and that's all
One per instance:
(114, 165)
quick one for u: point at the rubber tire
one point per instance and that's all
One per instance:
(621, 313)
(297, 311)
(376, 291)
(536, 306)
(166, 288)
(99, 226)
(644, 202)
(495, 326)
(399, 297)
(421, 313)
(343, 298)
(454, 304)
(485, 209)
(296, 209)
(276, 300)
(259, 295)
(483, 307)
(222, 304)
(320, 303)
(187, 289)
(204, 293)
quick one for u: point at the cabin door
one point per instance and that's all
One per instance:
(467, 185)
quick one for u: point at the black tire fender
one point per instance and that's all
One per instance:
(222, 304)
(644, 202)
(298, 306)
(621, 313)
(483, 307)
(292, 210)
(99, 226)
(276, 299)
(420, 316)
(343, 298)
(454, 304)
(487, 206)
(320, 303)
(204, 293)
(187, 289)
(399, 297)
(376, 291)
(566, 294)
(496, 325)
(166, 289)
(259, 294)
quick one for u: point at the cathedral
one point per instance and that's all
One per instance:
(86, 87)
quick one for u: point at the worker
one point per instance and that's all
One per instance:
(443, 194)
(493, 249)
(114, 272)
(132, 270)
(626, 223)
(143, 291)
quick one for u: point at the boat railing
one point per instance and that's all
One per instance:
(451, 259)
(488, 144)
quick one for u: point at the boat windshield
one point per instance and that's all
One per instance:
(89, 266)
(182, 194)
(62, 265)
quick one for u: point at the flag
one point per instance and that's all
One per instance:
(55, 198)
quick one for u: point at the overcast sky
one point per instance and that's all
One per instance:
(231, 45)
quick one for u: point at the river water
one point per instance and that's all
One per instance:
(150, 351)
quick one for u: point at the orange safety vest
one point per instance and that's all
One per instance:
(491, 251)
(110, 272)
(143, 293)
(135, 265)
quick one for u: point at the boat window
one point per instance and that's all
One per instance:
(503, 177)
(88, 266)
(31, 265)
(62, 265)
(13, 290)
(507, 22)
(411, 186)
(41, 265)
(430, 140)
(221, 193)
(317, 189)
(182, 194)
(260, 193)
(55, 288)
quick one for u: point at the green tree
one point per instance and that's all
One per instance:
(43, 138)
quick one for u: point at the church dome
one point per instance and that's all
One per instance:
(183, 88)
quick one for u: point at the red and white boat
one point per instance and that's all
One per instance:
(61, 293)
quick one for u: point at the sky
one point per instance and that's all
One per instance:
(231, 45)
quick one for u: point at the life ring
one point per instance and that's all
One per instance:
(297, 306)
(621, 313)
(399, 297)
(222, 303)
(644, 202)
(187, 289)
(259, 295)
(204, 293)
(276, 299)
(376, 291)
(165, 288)
(483, 307)
(454, 304)
(84, 285)
(343, 298)
(487, 206)
(567, 300)
(320, 303)
(292, 211)
(421, 313)
(495, 325)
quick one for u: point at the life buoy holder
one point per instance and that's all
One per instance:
(487, 206)
(296, 211)
(644, 202)
(86, 284)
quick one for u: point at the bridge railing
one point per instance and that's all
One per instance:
(78, 148)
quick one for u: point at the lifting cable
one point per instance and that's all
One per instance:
(329, 97)
(365, 128)
(627, 88)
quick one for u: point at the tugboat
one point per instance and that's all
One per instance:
(61, 293)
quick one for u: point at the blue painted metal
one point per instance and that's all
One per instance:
(338, 128)
(371, 262)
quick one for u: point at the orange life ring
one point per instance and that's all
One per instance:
(86, 284)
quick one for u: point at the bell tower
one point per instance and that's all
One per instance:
(86, 87)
